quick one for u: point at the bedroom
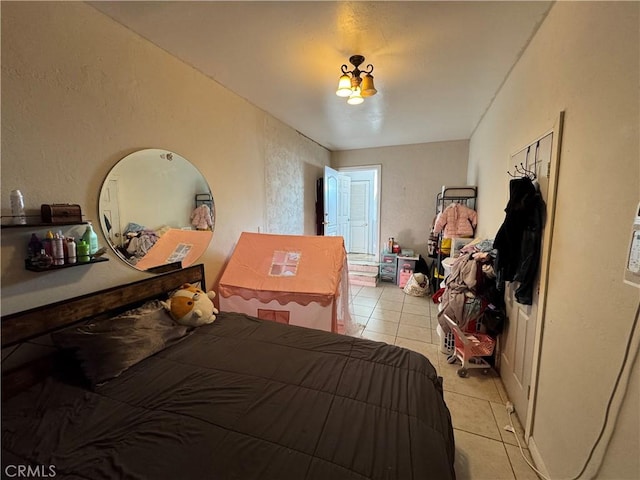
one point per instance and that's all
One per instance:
(56, 148)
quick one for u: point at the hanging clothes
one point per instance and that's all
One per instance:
(459, 285)
(201, 217)
(457, 220)
(518, 239)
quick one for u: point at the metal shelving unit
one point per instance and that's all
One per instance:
(465, 195)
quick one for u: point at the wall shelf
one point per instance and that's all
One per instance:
(41, 225)
(35, 268)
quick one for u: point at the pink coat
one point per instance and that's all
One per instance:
(457, 220)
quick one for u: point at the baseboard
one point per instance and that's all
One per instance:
(537, 458)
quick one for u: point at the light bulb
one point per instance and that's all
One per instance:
(355, 98)
(344, 86)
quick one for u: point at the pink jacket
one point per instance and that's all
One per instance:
(457, 220)
(201, 218)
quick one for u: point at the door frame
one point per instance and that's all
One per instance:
(545, 260)
(377, 169)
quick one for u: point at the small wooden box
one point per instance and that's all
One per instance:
(59, 213)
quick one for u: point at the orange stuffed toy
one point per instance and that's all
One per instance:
(191, 306)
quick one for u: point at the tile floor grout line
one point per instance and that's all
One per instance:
(478, 435)
(439, 367)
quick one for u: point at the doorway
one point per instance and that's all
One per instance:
(355, 190)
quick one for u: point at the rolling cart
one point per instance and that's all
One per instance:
(470, 348)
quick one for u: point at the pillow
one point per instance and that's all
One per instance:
(107, 347)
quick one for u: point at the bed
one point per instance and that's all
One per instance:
(241, 398)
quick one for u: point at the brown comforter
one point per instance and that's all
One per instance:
(243, 399)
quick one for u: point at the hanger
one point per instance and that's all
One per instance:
(523, 172)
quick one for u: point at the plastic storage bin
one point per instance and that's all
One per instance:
(447, 264)
(388, 267)
(404, 275)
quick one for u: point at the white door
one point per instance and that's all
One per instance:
(109, 206)
(344, 208)
(337, 204)
(365, 209)
(330, 202)
(360, 213)
(519, 337)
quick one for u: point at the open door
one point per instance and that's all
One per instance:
(337, 201)
(365, 209)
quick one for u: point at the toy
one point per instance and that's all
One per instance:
(191, 306)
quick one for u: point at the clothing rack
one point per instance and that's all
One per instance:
(204, 199)
(465, 195)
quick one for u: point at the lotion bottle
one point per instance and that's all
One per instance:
(82, 251)
(91, 239)
(71, 250)
(47, 243)
(58, 250)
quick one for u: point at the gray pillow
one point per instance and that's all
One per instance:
(107, 347)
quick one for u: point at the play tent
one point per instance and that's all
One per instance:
(293, 279)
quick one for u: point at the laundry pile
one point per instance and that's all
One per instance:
(469, 295)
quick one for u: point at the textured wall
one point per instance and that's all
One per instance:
(584, 59)
(412, 176)
(79, 92)
(291, 169)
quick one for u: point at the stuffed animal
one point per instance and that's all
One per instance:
(191, 306)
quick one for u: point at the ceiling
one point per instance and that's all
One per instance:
(437, 65)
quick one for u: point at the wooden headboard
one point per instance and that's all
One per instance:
(23, 326)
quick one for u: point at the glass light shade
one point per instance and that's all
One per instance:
(368, 90)
(355, 98)
(344, 86)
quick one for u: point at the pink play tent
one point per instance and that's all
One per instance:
(293, 279)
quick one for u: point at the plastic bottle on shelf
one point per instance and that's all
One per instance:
(63, 243)
(91, 239)
(58, 250)
(71, 250)
(47, 243)
(34, 246)
(82, 251)
(17, 208)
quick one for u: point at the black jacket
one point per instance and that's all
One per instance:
(518, 239)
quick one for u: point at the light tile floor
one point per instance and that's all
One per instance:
(484, 450)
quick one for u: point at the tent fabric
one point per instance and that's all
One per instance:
(290, 268)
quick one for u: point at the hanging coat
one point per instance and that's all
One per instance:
(518, 239)
(457, 220)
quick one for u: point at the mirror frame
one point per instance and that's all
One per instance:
(157, 245)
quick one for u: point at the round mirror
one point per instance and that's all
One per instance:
(156, 210)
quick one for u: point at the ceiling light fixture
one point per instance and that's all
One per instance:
(353, 86)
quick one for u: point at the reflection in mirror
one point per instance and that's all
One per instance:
(156, 208)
